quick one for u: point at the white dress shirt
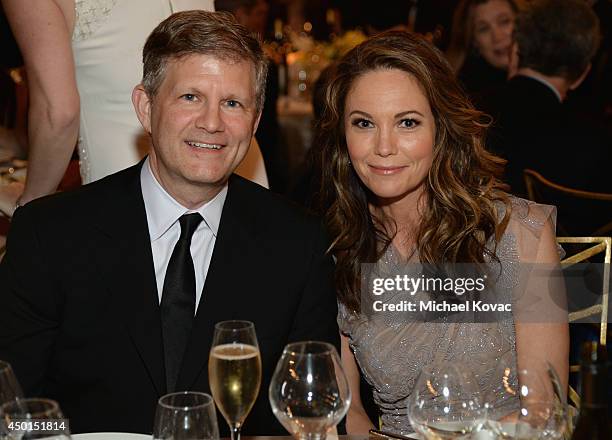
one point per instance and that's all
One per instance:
(163, 213)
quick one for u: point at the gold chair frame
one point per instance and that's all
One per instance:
(599, 245)
(532, 177)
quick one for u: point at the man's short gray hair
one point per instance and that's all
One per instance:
(198, 32)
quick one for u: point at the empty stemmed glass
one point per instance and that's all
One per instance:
(9, 391)
(445, 402)
(188, 415)
(526, 403)
(9, 387)
(34, 418)
(234, 371)
(309, 392)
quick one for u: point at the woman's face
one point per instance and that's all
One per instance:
(390, 132)
(493, 25)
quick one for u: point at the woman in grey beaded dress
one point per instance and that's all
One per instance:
(406, 179)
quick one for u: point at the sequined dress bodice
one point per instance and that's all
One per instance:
(392, 352)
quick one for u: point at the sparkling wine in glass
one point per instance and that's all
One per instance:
(445, 403)
(34, 418)
(309, 392)
(234, 371)
(188, 415)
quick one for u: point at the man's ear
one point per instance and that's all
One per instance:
(142, 105)
(514, 60)
(575, 84)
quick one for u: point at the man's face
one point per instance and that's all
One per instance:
(201, 122)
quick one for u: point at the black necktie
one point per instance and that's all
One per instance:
(178, 299)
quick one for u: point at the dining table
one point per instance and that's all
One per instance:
(130, 436)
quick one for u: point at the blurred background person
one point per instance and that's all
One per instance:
(479, 49)
(555, 41)
(41, 31)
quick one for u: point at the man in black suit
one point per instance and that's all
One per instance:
(109, 294)
(554, 43)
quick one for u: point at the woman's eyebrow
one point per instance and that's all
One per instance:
(399, 115)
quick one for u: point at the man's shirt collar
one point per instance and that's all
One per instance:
(163, 211)
(546, 83)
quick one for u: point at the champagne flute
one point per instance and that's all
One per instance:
(187, 415)
(234, 371)
(445, 402)
(34, 418)
(309, 392)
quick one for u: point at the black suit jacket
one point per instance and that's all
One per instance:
(533, 129)
(79, 310)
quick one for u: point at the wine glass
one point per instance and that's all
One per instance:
(34, 418)
(188, 415)
(526, 403)
(9, 390)
(445, 402)
(234, 371)
(309, 392)
(9, 386)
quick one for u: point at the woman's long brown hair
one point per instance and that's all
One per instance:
(462, 188)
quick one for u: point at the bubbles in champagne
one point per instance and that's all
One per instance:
(234, 373)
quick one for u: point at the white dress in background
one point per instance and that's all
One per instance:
(107, 43)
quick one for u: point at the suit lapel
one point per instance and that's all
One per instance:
(234, 247)
(126, 268)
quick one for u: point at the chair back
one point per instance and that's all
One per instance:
(580, 212)
(588, 248)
